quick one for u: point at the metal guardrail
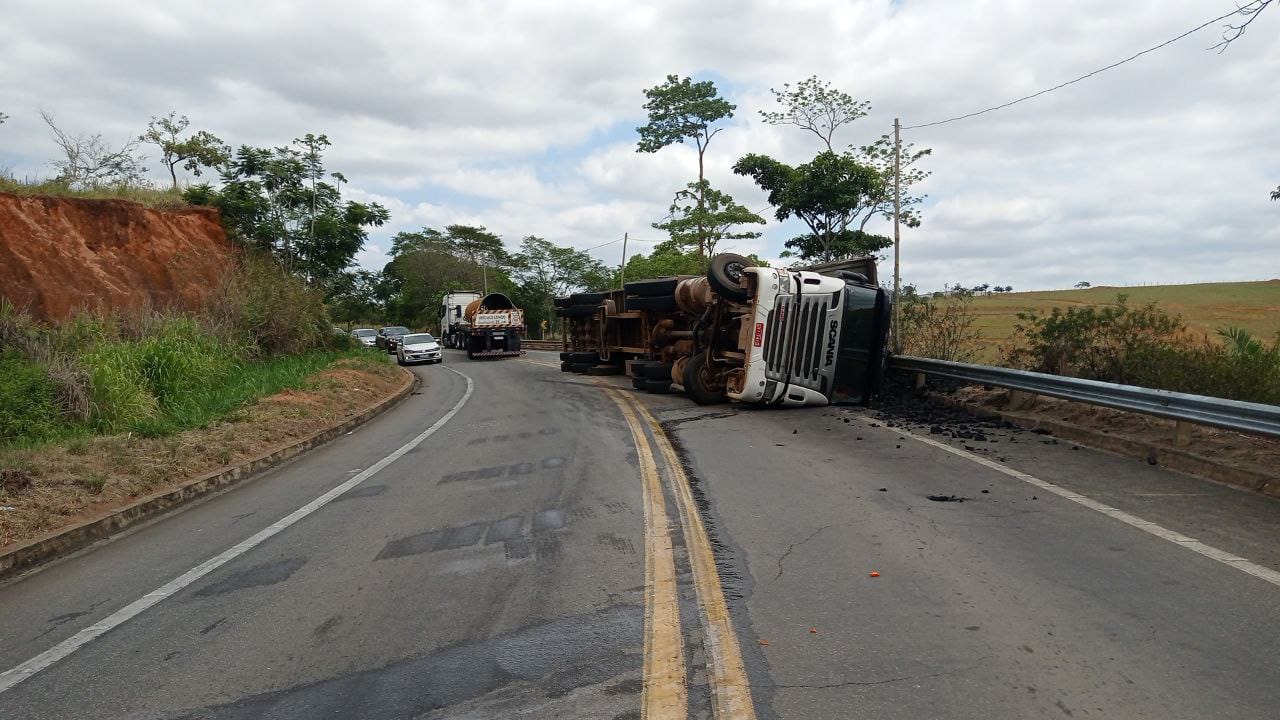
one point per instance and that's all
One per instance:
(1197, 409)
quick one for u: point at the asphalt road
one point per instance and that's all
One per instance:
(544, 554)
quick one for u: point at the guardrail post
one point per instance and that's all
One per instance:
(1021, 399)
(1181, 433)
(919, 381)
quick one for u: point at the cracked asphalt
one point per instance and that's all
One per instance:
(497, 570)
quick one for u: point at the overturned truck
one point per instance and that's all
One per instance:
(750, 334)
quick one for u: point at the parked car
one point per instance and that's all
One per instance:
(389, 336)
(418, 347)
(367, 337)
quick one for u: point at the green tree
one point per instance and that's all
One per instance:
(701, 216)
(546, 271)
(668, 259)
(681, 109)
(1275, 194)
(200, 149)
(828, 194)
(815, 106)
(353, 296)
(3, 117)
(427, 264)
(274, 199)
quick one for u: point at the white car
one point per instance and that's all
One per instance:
(367, 337)
(418, 347)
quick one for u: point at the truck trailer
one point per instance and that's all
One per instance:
(743, 333)
(491, 327)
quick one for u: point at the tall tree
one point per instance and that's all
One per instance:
(701, 216)
(200, 149)
(274, 198)
(815, 106)
(1275, 194)
(681, 109)
(828, 194)
(546, 271)
(89, 161)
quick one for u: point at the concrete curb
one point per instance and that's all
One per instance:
(1169, 457)
(67, 540)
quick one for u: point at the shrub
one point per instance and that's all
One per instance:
(271, 310)
(1092, 342)
(939, 327)
(1149, 348)
(29, 405)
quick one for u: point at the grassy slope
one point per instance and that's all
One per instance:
(1203, 307)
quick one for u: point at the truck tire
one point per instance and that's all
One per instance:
(639, 383)
(656, 371)
(578, 311)
(564, 366)
(653, 304)
(580, 367)
(604, 370)
(697, 385)
(725, 272)
(581, 357)
(658, 387)
(658, 287)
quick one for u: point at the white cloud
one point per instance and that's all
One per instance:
(520, 116)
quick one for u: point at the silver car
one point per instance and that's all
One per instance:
(418, 347)
(367, 337)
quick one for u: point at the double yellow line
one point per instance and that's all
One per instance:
(665, 694)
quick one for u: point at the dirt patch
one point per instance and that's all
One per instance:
(58, 485)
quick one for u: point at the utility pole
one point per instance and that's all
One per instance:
(897, 233)
(622, 270)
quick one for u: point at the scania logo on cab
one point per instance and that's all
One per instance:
(831, 341)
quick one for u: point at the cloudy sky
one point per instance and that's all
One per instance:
(521, 115)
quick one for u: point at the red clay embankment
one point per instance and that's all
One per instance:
(62, 255)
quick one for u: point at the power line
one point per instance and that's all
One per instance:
(1238, 11)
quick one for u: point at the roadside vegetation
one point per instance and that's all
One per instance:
(1146, 346)
(154, 373)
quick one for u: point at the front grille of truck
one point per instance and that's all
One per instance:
(804, 356)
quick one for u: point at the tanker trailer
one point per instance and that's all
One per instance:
(493, 327)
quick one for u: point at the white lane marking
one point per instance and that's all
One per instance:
(1190, 543)
(15, 675)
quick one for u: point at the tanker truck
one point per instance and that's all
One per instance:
(491, 327)
(451, 316)
(749, 334)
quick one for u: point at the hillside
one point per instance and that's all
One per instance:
(59, 255)
(1204, 307)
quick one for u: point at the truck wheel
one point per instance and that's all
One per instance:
(577, 367)
(581, 357)
(699, 382)
(658, 387)
(658, 287)
(604, 370)
(653, 304)
(657, 371)
(639, 383)
(564, 366)
(724, 274)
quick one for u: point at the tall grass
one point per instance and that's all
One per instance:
(154, 373)
(155, 198)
